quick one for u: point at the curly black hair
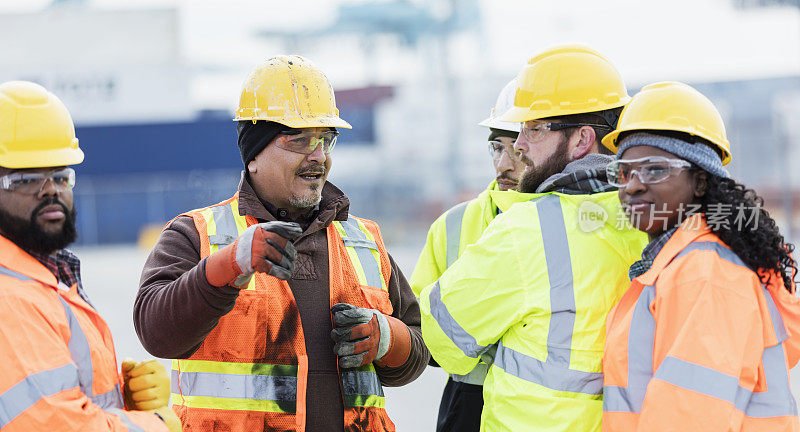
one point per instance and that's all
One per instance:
(760, 244)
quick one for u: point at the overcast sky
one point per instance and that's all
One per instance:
(691, 40)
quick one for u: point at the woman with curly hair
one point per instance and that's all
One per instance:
(705, 336)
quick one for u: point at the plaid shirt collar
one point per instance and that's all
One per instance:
(588, 181)
(66, 267)
(649, 254)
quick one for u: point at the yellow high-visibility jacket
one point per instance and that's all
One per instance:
(536, 287)
(449, 236)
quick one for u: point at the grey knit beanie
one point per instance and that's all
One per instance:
(697, 152)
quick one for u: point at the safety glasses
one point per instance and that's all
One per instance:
(496, 149)
(651, 170)
(306, 142)
(535, 131)
(33, 182)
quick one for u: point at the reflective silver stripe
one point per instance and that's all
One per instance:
(358, 382)
(640, 359)
(132, 427)
(8, 272)
(227, 232)
(452, 226)
(703, 380)
(80, 352)
(78, 347)
(463, 340)
(109, 399)
(475, 377)
(259, 387)
(372, 271)
(724, 252)
(559, 273)
(778, 400)
(30, 390)
(548, 374)
(349, 242)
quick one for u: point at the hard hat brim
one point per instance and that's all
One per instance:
(521, 115)
(494, 123)
(298, 123)
(42, 158)
(611, 140)
(516, 115)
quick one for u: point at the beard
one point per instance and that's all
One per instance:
(313, 196)
(30, 236)
(534, 176)
(309, 200)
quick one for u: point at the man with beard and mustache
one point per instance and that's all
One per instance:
(530, 297)
(282, 310)
(60, 371)
(449, 236)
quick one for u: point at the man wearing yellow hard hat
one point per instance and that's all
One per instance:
(530, 297)
(283, 310)
(59, 366)
(449, 236)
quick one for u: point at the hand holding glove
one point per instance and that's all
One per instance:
(266, 247)
(145, 385)
(365, 335)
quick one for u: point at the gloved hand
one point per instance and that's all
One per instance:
(145, 385)
(365, 335)
(488, 355)
(170, 418)
(266, 247)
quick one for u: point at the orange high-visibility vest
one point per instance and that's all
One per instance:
(250, 373)
(59, 367)
(697, 343)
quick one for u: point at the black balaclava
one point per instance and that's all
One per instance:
(254, 137)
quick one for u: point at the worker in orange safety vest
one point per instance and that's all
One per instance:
(281, 309)
(59, 367)
(705, 336)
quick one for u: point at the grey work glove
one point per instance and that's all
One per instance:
(361, 335)
(488, 355)
(266, 247)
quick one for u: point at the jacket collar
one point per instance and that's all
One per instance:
(690, 230)
(16, 259)
(503, 200)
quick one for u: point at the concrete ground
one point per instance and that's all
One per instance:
(111, 277)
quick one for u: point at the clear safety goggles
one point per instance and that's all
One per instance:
(306, 142)
(496, 149)
(535, 131)
(33, 182)
(651, 170)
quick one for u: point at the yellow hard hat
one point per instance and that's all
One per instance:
(36, 129)
(565, 80)
(290, 90)
(672, 106)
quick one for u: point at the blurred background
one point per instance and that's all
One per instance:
(152, 84)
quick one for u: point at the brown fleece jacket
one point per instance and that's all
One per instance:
(176, 307)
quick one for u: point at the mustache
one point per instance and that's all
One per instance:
(505, 177)
(315, 168)
(525, 159)
(47, 202)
